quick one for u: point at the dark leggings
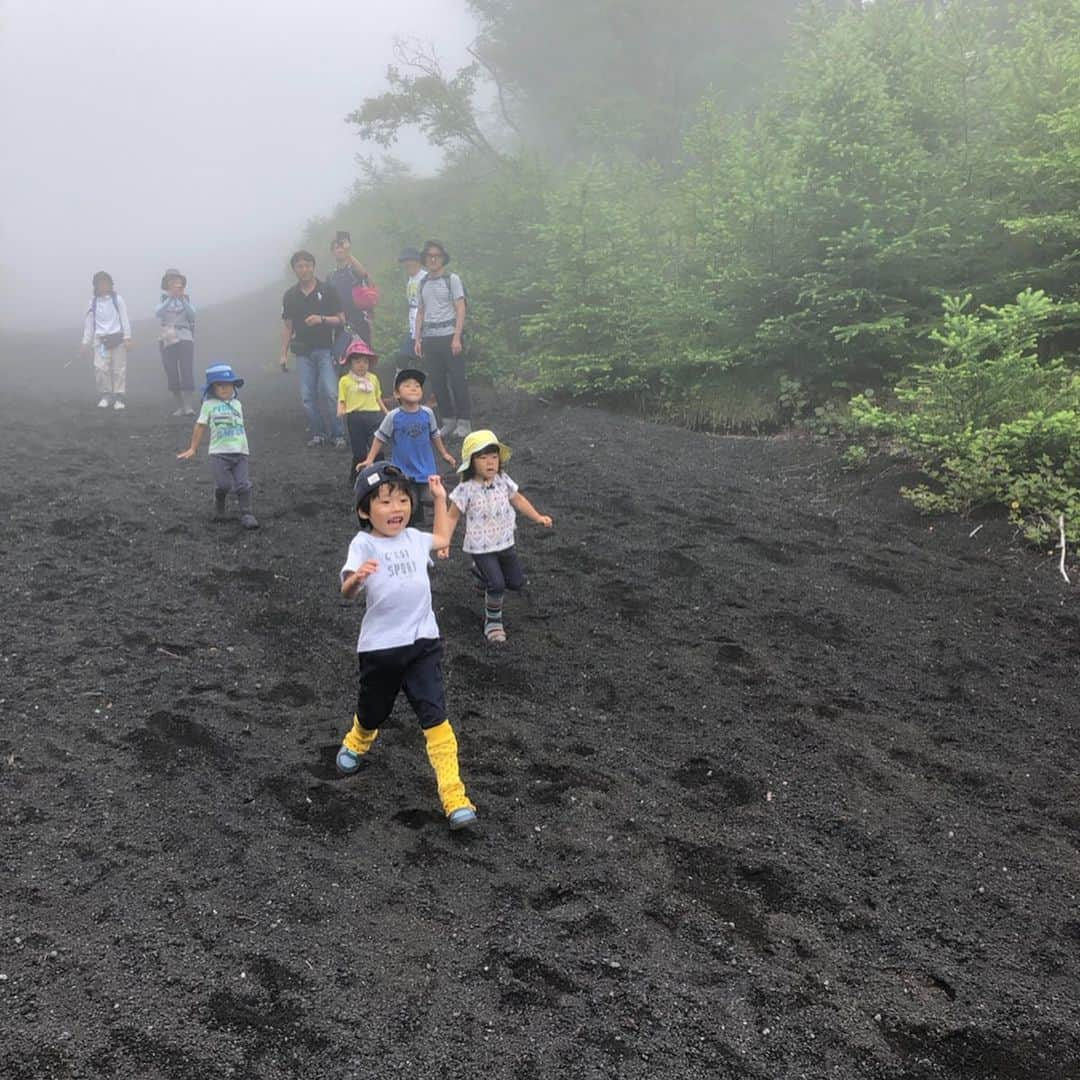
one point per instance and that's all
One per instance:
(362, 427)
(500, 570)
(447, 378)
(178, 360)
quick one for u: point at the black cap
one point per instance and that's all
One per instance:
(409, 253)
(409, 373)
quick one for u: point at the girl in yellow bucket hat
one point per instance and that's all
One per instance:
(489, 501)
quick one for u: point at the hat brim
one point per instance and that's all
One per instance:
(409, 373)
(234, 382)
(504, 454)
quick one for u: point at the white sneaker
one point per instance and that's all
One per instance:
(463, 428)
(103, 403)
(177, 412)
(447, 428)
(118, 405)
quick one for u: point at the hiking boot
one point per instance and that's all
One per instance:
(103, 403)
(118, 404)
(463, 428)
(447, 428)
(249, 520)
(347, 762)
(463, 818)
(315, 440)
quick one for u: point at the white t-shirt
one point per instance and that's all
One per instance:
(489, 517)
(398, 594)
(412, 295)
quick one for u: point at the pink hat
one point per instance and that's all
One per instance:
(359, 347)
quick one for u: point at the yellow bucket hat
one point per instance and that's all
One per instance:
(476, 441)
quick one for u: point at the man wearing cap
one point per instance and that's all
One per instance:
(311, 314)
(410, 262)
(440, 324)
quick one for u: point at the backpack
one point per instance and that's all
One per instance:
(449, 289)
(110, 341)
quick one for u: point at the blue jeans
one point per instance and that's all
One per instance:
(318, 387)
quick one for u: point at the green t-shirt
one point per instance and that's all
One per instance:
(225, 419)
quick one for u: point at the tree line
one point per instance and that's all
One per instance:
(735, 215)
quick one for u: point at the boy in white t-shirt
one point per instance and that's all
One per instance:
(399, 647)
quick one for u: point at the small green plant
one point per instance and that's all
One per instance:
(855, 457)
(987, 420)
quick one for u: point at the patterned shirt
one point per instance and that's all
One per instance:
(225, 419)
(490, 519)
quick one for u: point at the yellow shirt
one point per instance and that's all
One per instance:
(357, 400)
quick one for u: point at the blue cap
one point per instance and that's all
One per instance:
(221, 373)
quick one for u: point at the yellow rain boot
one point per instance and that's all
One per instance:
(442, 753)
(353, 747)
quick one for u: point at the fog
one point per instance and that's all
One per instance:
(202, 135)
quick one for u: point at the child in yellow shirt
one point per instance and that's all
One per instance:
(360, 401)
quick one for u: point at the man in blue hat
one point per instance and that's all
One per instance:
(409, 260)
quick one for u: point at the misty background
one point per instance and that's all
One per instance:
(202, 135)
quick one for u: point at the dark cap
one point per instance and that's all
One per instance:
(373, 477)
(409, 253)
(409, 373)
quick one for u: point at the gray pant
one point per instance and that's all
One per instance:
(231, 474)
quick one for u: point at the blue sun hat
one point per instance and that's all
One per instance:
(221, 373)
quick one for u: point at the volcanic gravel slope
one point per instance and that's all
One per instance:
(776, 779)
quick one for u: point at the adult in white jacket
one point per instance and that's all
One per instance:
(107, 333)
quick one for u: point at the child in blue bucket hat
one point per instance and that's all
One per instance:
(223, 415)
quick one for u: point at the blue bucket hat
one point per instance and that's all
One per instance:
(221, 373)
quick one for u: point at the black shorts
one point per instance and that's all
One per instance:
(416, 669)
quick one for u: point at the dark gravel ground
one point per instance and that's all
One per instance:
(776, 778)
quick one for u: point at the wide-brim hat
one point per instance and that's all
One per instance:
(438, 246)
(221, 373)
(409, 373)
(476, 441)
(172, 272)
(359, 347)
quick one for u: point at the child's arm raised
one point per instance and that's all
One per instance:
(352, 584)
(455, 516)
(443, 528)
(196, 438)
(520, 503)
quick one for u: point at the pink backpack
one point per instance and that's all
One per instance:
(365, 297)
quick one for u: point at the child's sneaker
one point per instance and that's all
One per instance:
(119, 404)
(249, 520)
(462, 818)
(347, 762)
(103, 403)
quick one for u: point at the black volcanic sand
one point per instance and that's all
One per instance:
(776, 779)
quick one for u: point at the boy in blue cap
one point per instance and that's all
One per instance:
(223, 415)
(414, 435)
